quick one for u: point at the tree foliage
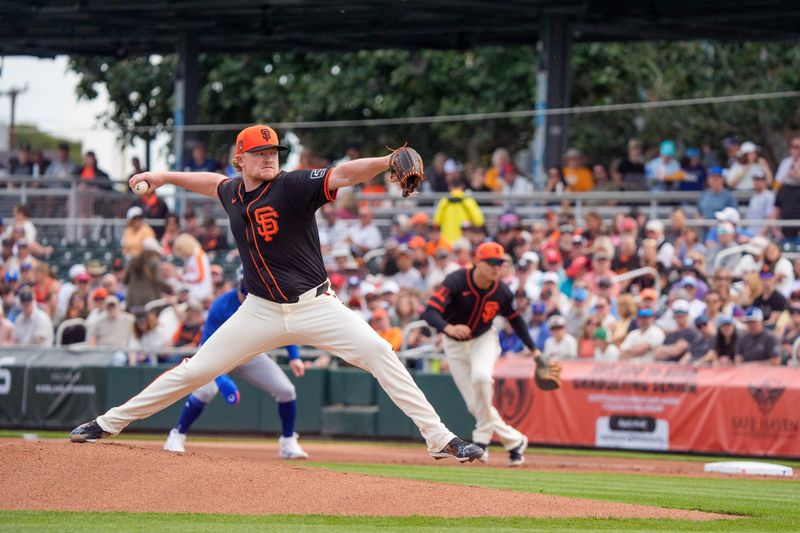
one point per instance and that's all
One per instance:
(398, 83)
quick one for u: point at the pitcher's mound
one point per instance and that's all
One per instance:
(108, 476)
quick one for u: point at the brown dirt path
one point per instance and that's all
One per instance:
(118, 476)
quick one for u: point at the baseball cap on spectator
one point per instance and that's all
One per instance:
(648, 294)
(490, 250)
(379, 313)
(680, 306)
(76, 270)
(667, 148)
(725, 228)
(692, 152)
(600, 334)
(628, 224)
(759, 174)
(390, 287)
(11, 276)
(715, 172)
(731, 140)
(508, 221)
(462, 245)
(724, 319)
(579, 294)
(111, 299)
(604, 282)
(528, 258)
(95, 267)
(552, 256)
(729, 214)
(556, 321)
(451, 166)
(700, 321)
(420, 217)
(83, 277)
(654, 225)
(757, 245)
(416, 242)
(746, 147)
(550, 277)
(577, 238)
(134, 212)
(25, 295)
(100, 293)
(753, 314)
(576, 266)
(538, 308)
(257, 137)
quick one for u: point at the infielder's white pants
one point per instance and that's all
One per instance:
(259, 326)
(472, 364)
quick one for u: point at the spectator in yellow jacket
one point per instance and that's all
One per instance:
(455, 209)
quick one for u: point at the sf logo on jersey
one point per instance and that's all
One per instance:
(490, 310)
(267, 221)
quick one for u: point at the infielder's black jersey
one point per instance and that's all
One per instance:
(459, 301)
(276, 231)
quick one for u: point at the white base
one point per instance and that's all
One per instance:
(751, 468)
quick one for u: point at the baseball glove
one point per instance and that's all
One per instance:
(406, 168)
(547, 374)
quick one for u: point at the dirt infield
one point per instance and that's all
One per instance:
(120, 476)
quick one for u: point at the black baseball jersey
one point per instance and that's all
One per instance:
(276, 231)
(459, 301)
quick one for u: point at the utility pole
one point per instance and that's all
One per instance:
(12, 93)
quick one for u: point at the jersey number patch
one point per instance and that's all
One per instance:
(267, 220)
(490, 310)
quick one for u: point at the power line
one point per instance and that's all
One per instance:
(466, 117)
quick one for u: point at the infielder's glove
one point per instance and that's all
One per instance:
(547, 374)
(406, 168)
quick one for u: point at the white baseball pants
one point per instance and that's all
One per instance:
(472, 364)
(260, 371)
(259, 326)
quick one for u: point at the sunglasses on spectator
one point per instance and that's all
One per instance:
(644, 313)
(495, 262)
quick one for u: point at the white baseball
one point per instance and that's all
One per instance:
(141, 188)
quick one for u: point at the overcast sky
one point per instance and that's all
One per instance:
(51, 104)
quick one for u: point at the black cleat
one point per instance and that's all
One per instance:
(88, 432)
(460, 450)
(485, 447)
(516, 456)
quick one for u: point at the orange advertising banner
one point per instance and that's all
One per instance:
(746, 410)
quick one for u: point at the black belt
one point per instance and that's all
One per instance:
(320, 291)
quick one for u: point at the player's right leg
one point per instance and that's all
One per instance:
(262, 372)
(192, 409)
(328, 324)
(254, 328)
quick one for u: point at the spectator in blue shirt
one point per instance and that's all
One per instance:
(716, 197)
(539, 329)
(694, 173)
(200, 162)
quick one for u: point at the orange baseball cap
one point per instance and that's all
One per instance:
(419, 217)
(416, 242)
(490, 250)
(648, 294)
(258, 137)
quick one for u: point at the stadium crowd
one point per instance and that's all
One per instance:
(712, 298)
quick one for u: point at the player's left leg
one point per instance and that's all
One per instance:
(264, 373)
(485, 351)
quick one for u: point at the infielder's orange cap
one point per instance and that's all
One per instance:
(490, 250)
(255, 138)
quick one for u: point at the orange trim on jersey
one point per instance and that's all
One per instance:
(477, 294)
(483, 302)
(255, 241)
(512, 316)
(329, 195)
(239, 192)
(436, 306)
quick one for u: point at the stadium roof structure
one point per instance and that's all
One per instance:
(140, 27)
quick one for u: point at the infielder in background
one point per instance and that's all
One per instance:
(289, 298)
(261, 371)
(463, 308)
